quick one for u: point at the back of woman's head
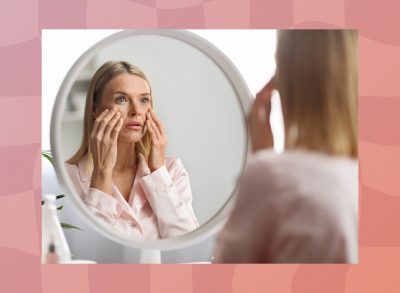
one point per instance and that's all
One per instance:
(317, 80)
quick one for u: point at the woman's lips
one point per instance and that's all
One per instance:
(134, 126)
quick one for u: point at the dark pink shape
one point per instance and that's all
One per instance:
(271, 14)
(377, 20)
(19, 271)
(20, 122)
(315, 25)
(38, 212)
(21, 69)
(212, 278)
(379, 218)
(320, 278)
(377, 114)
(188, 18)
(149, 3)
(62, 14)
(119, 278)
(16, 168)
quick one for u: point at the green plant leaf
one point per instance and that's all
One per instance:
(69, 226)
(60, 208)
(48, 156)
(60, 196)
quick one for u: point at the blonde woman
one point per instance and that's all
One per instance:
(301, 206)
(120, 170)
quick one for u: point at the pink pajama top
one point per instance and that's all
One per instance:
(294, 207)
(159, 205)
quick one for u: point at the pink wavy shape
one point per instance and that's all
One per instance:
(65, 279)
(377, 20)
(19, 271)
(212, 278)
(320, 278)
(315, 25)
(21, 64)
(227, 13)
(271, 14)
(188, 17)
(177, 4)
(378, 271)
(163, 278)
(18, 22)
(263, 278)
(379, 167)
(17, 223)
(16, 168)
(316, 10)
(379, 218)
(125, 14)
(378, 68)
(379, 120)
(20, 124)
(62, 14)
(117, 278)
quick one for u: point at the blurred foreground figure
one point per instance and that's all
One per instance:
(301, 206)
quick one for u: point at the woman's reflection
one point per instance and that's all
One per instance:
(120, 169)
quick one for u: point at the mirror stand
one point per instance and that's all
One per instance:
(150, 256)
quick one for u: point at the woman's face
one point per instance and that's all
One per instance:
(130, 95)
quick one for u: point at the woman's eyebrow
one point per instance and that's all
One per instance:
(124, 93)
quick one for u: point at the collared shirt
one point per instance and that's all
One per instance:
(294, 207)
(159, 205)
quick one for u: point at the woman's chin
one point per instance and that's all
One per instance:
(130, 138)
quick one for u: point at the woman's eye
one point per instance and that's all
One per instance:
(145, 100)
(121, 100)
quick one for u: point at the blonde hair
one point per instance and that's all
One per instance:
(316, 77)
(103, 75)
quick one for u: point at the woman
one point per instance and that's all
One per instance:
(301, 206)
(120, 170)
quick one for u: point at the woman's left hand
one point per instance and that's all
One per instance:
(159, 140)
(258, 119)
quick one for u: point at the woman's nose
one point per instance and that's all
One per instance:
(134, 109)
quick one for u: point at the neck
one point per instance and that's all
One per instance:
(126, 157)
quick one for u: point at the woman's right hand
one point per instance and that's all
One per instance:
(103, 147)
(258, 119)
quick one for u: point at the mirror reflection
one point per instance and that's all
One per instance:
(153, 139)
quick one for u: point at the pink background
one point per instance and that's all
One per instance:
(379, 143)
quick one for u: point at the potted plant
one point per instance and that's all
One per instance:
(49, 157)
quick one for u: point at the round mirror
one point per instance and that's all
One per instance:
(200, 98)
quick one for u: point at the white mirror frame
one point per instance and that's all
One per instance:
(238, 84)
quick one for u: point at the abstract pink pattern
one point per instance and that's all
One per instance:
(20, 69)
(376, 20)
(378, 23)
(331, 12)
(19, 22)
(120, 14)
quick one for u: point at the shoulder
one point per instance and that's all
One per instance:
(300, 165)
(314, 179)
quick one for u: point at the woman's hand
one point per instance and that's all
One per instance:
(103, 146)
(258, 119)
(158, 139)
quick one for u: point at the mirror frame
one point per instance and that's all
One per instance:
(212, 225)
